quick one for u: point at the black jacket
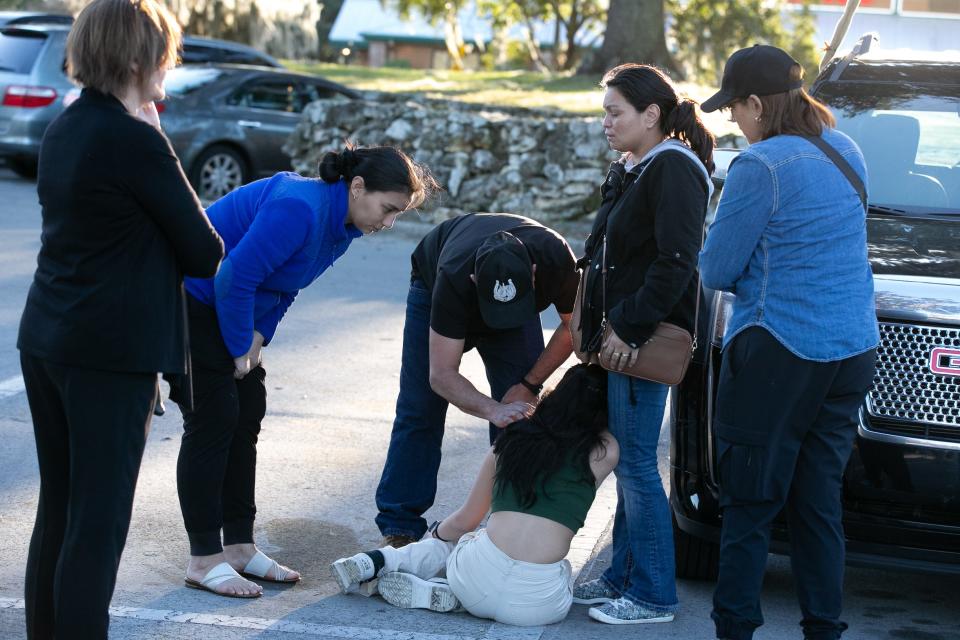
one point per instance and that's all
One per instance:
(121, 227)
(654, 229)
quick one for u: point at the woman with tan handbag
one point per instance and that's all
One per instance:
(640, 274)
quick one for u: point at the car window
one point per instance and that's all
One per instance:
(184, 80)
(243, 57)
(195, 54)
(19, 50)
(910, 138)
(273, 95)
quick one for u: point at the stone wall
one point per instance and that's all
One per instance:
(544, 165)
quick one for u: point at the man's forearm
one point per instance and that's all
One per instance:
(458, 391)
(557, 351)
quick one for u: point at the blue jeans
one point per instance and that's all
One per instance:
(408, 484)
(642, 568)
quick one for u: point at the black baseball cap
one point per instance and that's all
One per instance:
(504, 274)
(760, 70)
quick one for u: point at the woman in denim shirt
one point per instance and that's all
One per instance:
(790, 241)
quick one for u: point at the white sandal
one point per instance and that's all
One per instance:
(260, 565)
(214, 578)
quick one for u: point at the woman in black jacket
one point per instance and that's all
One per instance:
(648, 233)
(121, 227)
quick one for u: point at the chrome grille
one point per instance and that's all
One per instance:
(904, 388)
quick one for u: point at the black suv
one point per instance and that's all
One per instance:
(901, 489)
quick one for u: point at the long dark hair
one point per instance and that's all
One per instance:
(643, 85)
(566, 425)
(382, 169)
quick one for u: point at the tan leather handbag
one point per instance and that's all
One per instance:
(663, 358)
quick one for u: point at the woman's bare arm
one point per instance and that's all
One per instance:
(604, 459)
(472, 512)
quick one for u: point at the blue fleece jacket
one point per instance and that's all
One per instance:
(279, 234)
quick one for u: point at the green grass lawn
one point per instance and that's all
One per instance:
(569, 93)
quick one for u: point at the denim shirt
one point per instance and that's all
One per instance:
(790, 241)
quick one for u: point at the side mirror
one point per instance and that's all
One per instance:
(721, 160)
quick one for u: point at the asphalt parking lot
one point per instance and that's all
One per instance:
(332, 381)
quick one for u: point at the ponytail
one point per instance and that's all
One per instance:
(334, 165)
(683, 122)
(382, 169)
(642, 85)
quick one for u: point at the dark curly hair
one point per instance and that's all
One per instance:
(566, 424)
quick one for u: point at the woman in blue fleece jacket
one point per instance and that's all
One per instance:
(280, 234)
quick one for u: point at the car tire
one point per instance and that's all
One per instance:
(696, 558)
(24, 167)
(217, 171)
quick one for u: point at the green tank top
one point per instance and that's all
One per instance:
(564, 497)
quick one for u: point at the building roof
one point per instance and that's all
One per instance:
(364, 20)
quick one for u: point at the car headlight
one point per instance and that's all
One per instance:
(722, 310)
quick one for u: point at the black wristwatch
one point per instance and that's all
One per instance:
(535, 389)
(432, 530)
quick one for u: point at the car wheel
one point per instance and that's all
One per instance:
(218, 171)
(696, 558)
(24, 167)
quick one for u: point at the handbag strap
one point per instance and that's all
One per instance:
(841, 164)
(603, 291)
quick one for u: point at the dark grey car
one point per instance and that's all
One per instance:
(228, 123)
(33, 81)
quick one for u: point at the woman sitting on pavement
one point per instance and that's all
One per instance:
(281, 234)
(539, 481)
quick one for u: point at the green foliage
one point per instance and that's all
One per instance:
(397, 64)
(433, 10)
(803, 45)
(32, 5)
(710, 30)
(572, 15)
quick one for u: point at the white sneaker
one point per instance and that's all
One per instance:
(407, 591)
(350, 572)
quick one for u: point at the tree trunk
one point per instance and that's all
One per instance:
(635, 33)
(453, 38)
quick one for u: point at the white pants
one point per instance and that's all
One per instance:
(487, 582)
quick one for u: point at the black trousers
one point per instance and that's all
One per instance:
(91, 428)
(785, 428)
(217, 465)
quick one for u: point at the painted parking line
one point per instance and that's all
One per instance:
(11, 387)
(495, 632)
